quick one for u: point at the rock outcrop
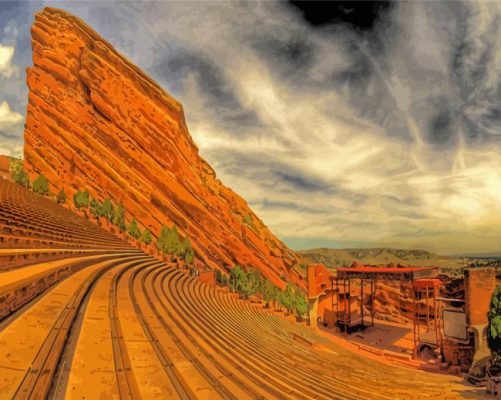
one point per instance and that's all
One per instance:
(96, 122)
(4, 167)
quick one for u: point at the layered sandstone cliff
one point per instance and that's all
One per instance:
(97, 122)
(4, 168)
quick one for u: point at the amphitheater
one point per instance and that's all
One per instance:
(86, 316)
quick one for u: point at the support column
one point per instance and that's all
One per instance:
(332, 303)
(414, 322)
(373, 295)
(427, 311)
(349, 301)
(337, 299)
(436, 314)
(362, 301)
(345, 308)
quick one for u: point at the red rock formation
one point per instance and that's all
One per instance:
(95, 121)
(4, 168)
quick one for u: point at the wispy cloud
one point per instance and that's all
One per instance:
(7, 68)
(8, 118)
(388, 137)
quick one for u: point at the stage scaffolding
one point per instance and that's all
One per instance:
(349, 311)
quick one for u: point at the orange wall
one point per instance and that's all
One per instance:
(318, 279)
(480, 284)
(325, 310)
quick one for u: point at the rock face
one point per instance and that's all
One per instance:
(4, 168)
(96, 122)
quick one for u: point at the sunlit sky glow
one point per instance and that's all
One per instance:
(335, 136)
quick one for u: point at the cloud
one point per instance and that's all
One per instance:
(382, 136)
(7, 69)
(346, 125)
(10, 124)
(8, 118)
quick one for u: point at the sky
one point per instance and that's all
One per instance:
(342, 125)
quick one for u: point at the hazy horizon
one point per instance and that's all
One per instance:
(336, 133)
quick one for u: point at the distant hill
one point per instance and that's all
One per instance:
(335, 258)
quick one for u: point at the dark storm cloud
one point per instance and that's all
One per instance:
(361, 15)
(271, 174)
(288, 205)
(291, 55)
(298, 181)
(443, 129)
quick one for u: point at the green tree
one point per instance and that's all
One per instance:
(221, 278)
(108, 210)
(81, 199)
(247, 220)
(173, 241)
(255, 282)
(245, 287)
(168, 241)
(236, 277)
(185, 251)
(134, 230)
(494, 330)
(119, 217)
(41, 185)
(17, 172)
(287, 298)
(61, 197)
(258, 282)
(242, 282)
(96, 208)
(300, 303)
(162, 239)
(146, 237)
(275, 295)
(268, 292)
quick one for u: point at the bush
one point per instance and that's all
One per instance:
(300, 303)
(108, 210)
(221, 278)
(61, 197)
(96, 208)
(268, 292)
(256, 282)
(494, 329)
(146, 237)
(185, 251)
(119, 217)
(244, 285)
(237, 275)
(81, 199)
(286, 298)
(17, 172)
(247, 219)
(134, 230)
(169, 242)
(41, 185)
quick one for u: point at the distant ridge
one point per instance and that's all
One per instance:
(477, 255)
(336, 258)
